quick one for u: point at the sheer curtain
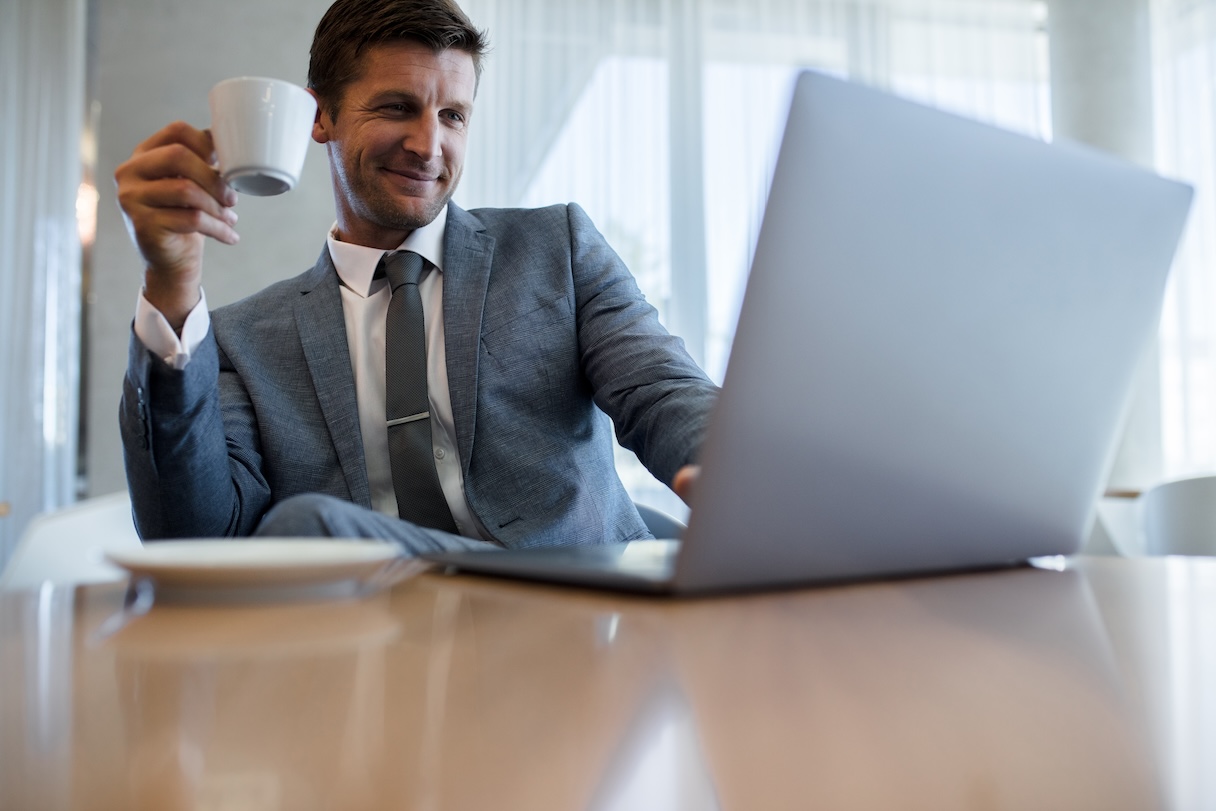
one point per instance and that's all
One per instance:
(42, 97)
(1184, 89)
(662, 119)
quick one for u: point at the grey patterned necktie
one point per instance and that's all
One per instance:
(419, 497)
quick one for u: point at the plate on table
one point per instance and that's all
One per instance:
(262, 568)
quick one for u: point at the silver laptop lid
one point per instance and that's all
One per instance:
(935, 349)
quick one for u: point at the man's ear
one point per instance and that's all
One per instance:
(321, 123)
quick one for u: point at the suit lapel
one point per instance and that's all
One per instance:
(467, 255)
(322, 330)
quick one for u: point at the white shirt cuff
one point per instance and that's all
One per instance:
(153, 329)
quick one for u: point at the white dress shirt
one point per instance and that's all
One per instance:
(364, 308)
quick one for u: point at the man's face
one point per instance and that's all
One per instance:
(396, 147)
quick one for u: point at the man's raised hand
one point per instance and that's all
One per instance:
(172, 198)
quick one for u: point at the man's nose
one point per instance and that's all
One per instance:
(424, 137)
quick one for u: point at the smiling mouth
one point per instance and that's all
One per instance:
(414, 175)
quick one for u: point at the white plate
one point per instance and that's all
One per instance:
(212, 564)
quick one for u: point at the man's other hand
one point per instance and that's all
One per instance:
(684, 482)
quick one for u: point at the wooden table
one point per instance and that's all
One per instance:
(1093, 687)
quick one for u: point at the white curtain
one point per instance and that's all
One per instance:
(1184, 91)
(42, 98)
(662, 119)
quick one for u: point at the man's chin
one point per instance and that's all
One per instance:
(408, 217)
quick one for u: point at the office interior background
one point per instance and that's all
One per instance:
(661, 117)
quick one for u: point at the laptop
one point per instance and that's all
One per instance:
(932, 362)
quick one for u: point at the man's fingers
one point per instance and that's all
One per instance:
(175, 161)
(197, 141)
(195, 221)
(180, 192)
(166, 188)
(174, 206)
(685, 480)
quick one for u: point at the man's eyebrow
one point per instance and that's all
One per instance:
(392, 95)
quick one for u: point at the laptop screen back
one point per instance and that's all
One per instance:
(935, 350)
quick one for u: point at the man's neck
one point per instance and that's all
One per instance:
(386, 242)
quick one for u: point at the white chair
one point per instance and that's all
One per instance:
(67, 546)
(1180, 517)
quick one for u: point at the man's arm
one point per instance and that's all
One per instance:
(643, 378)
(191, 447)
(174, 444)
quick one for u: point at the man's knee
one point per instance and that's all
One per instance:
(303, 516)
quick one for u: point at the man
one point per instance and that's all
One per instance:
(269, 416)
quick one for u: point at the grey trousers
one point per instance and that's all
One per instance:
(317, 516)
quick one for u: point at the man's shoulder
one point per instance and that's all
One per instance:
(273, 297)
(265, 310)
(499, 221)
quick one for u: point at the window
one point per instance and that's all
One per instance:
(610, 104)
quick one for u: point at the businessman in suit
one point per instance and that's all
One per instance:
(269, 416)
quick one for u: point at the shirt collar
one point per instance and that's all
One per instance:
(356, 264)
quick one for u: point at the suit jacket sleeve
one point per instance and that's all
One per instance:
(641, 376)
(193, 466)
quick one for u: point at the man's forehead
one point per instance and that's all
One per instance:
(403, 58)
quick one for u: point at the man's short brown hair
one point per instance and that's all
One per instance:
(351, 26)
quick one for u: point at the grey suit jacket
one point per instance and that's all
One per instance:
(546, 333)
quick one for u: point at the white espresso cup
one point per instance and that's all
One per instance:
(261, 128)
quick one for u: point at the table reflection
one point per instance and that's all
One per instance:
(1161, 617)
(987, 691)
(991, 690)
(258, 707)
(36, 718)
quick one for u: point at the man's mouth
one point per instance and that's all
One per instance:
(418, 175)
